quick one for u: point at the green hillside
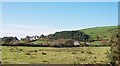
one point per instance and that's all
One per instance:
(103, 32)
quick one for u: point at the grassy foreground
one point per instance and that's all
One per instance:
(49, 55)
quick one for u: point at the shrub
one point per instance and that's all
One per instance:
(114, 55)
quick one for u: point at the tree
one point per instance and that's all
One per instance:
(42, 36)
(27, 38)
(86, 37)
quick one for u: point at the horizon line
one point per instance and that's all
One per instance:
(59, 31)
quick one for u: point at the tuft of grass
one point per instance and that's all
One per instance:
(89, 52)
(44, 60)
(27, 53)
(21, 49)
(43, 53)
(33, 57)
(74, 53)
(82, 51)
(35, 51)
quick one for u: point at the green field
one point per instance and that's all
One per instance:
(104, 31)
(50, 55)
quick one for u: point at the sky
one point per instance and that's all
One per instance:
(60, 0)
(35, 18)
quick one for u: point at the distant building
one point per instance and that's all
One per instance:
(30, 38)
(76, 43)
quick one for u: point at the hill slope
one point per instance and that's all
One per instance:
(103, 32)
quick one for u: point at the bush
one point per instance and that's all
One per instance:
(114, 55)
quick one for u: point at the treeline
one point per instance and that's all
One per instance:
(61, 39)
(75, 35)
(9, 40)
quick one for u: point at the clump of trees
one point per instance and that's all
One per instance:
(9, 40)
(75, 35)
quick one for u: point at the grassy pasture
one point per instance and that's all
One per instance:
(104, 31)
(50, 55)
